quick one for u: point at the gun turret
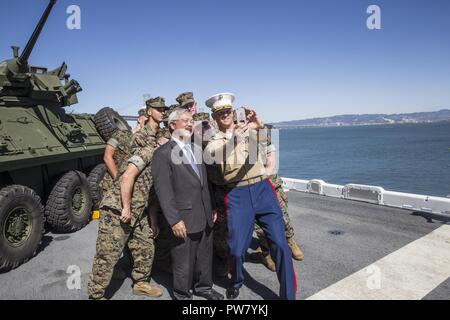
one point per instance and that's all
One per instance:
(25, 85)
(23, 59)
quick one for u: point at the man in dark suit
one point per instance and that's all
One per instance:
(181, 184)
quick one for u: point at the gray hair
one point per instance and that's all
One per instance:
(176, 114)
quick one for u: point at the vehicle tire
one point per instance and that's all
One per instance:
(95, 177)
(69, 204)
(21, 225)
(107, 121)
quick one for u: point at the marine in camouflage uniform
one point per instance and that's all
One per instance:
(113, 234)
(142, 119)
(163, 135)
(186, 101)
(120, 141)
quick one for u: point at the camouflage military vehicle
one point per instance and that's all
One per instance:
(50, 161)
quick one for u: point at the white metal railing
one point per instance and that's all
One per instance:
(372, 194)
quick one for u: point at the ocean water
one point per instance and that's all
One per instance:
(411, 158)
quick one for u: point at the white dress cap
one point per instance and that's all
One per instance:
(220, 101)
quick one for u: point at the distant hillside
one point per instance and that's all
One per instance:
(368, 119)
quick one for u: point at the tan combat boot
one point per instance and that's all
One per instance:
(265, 259)
(145, 289)
(297, 253)
(268, 262)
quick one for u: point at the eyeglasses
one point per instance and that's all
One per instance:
(161, 110)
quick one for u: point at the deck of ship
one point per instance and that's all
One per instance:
(340, 238)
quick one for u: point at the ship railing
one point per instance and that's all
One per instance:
(372, 194)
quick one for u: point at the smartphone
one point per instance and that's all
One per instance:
(241, 116)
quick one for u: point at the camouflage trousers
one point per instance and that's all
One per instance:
(113, 236)
(106, 183)
(220, 227)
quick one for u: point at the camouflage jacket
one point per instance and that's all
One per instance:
(121, 142)
(163, 133)
(142, 148)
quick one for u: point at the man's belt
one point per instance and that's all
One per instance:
(247, 182)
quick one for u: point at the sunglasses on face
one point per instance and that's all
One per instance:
(224, 113)
(189, 106)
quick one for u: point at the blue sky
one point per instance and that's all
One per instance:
(288, 59)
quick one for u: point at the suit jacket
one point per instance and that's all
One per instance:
(181, 193)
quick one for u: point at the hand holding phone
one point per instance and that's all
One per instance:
(241, 116)
(252, 119)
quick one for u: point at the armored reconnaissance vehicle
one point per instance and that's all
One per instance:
(50, 161)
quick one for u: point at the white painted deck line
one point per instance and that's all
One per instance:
(409, 273)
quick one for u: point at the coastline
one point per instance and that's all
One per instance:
(275, 126)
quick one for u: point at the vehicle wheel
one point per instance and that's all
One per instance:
(107, 121)
(69, 204)
(95, 177)
(21, 225)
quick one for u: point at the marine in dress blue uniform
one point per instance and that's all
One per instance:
(250, 194)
